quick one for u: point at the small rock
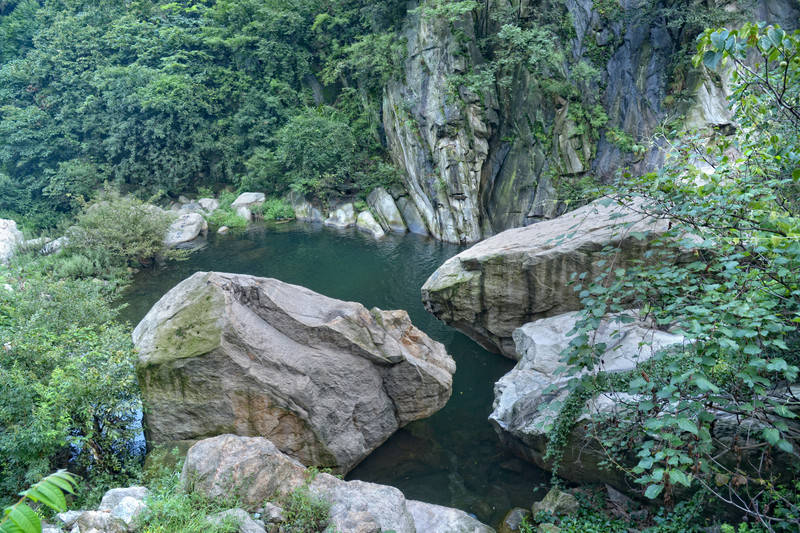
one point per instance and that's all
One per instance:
(556, 502)
(548, 528)
(67, 519)
(223, 230)
(240, 517)
(209, 204)
(113, 497)
(183, 199)
(513, 520)
(245, 213)
(127, 510)
(272, 513)
(10, 238)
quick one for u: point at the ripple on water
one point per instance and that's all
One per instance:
(452, 458)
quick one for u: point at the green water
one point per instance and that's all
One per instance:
(452, 458)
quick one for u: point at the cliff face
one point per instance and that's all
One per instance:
(477, 164)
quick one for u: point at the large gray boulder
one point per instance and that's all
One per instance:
(411, 216)
(524, 408)
(253, 470)
(185, 229)
(386, 210)
(328, 381)
(523, 274)
(10, 238)
(367, 223)
(249, 200)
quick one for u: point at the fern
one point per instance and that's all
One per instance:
(21, 518)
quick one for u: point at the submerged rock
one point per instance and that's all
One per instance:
(185, 229)
(523, 274)
(253, 471)
(328, 381)
(10, 238)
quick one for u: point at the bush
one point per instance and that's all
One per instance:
(124, 230)
(70, 395)
(276, 209)
(226, 217)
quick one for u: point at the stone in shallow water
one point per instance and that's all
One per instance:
(328, 381)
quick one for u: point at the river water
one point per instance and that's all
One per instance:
(452, 458)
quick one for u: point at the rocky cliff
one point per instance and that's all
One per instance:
(519, 150)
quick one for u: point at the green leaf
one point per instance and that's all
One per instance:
(678, 476)
(25, 518)
(771, 435)
(653, 491)
(704, 385)
(687, 425)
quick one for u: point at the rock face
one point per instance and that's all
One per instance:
(386, 210)
(522, 274)
(367, 223)
(328, 381)
(342, 217)
(185, 229)
(10, 238)
(476, 165)
(254, 470)
(522, 408)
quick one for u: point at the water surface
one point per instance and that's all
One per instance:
(452, 458)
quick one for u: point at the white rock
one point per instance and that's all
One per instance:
(68, 518)
(343, 217)
(113, 497)
(437, 519)
(245, 213)
(186, 228)
(249, 199)
(367, 223)
(54, 246)
(128, 510)
(209, 204)
(10, 238)
(223, 230)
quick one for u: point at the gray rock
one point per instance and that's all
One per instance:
(556, 502)
(253, 470)
(272, 513)
(184, 199)
(128, 510)
(188, 227)
(437, 519)
(223, 230)
(55, 246)
(523, 274)
(249, 200)
(366, 223)
(48, 528)
(208, 204)
(10, 238)
(411, 216)
(99, 522)
(342, 217)
(303, 210)
(191, 207)
(327, 380)
(113, 497)
(512, 522)
(67, 518)
(245, 213)
(386, 210)
(523, 409)
(240, 517)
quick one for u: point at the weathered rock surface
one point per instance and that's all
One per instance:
(113, 497)
(556, 502)
(10, 238)
(437, 519)
(342, 217)
(367, 223)
(209, 205)
(304, 211)
(188, 227)
(411, 216)
(512, 522)
(522, 409)
(249, 200)
(253, 470)
(240, 517)
(245, 213)
(522, 274)
(386, 210)
(328, 381)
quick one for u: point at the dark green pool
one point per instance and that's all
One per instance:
(452, 458)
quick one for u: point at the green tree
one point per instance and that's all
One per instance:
(736, 300)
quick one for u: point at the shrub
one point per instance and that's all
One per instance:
(305, 513)
(276, 209)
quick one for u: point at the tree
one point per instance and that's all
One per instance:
(724, 277)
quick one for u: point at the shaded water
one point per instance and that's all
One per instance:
(452, 458)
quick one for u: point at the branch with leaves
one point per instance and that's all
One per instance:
(22, 518)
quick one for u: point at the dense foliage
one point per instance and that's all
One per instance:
(163, 97)
(725, 278)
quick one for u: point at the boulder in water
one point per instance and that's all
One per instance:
(367, 223)
(386, 210)
(328, 381)
(185, 229)
(249, 200)
(342, 217)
